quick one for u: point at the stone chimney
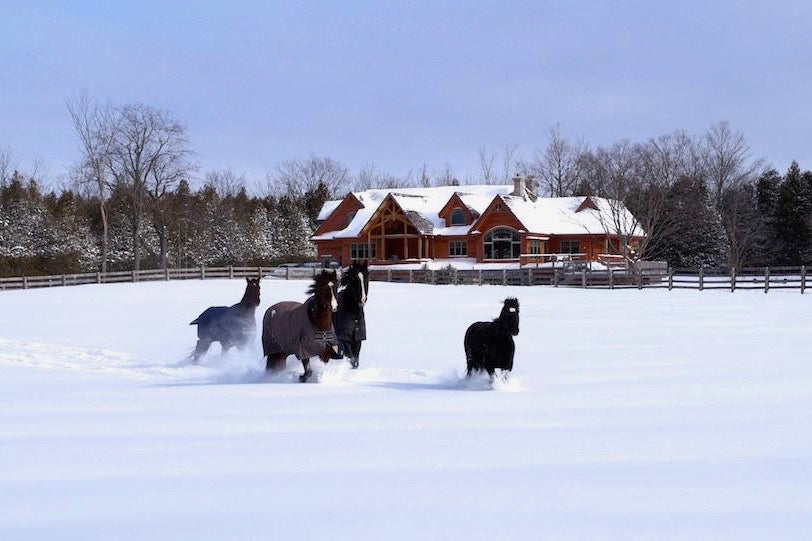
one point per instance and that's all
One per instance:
(518, 186)
(532, 187)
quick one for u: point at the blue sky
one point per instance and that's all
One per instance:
(405, 83)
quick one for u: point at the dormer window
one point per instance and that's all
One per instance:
(457, 217)
(350, 216)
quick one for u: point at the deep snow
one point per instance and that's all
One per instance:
(630, 414)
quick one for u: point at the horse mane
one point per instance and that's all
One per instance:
(510, 302)
(348, 276)
(320, 278)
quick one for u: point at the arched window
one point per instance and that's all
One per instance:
(502, 243)
(457, 217)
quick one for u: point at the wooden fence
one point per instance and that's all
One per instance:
(196, 273)
(643, 277)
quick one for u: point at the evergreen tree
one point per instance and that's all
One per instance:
(792, 213)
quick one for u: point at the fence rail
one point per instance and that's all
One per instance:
(643, 277)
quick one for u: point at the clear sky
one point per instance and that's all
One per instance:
(399, 84)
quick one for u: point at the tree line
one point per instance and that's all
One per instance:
(129, 202)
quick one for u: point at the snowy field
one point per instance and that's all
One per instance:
(630, 415)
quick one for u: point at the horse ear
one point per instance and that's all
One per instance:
(247, 280)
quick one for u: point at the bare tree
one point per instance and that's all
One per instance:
(557, 164)
(170, 169)
(150, 153)
(509, 164)
(446, 177)
(95, 129)
(425, 178)
(636, 198)
(486, 161)
(226, 182)
(297, 177)
(727, 160)
(7, 166)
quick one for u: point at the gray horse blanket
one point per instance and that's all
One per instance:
(287, 329)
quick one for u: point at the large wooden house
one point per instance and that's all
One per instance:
(481, 224)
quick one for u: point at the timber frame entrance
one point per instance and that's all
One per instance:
(395, 236)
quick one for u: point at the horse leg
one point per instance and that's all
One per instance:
(201, 348)
(355, 353)
(307, 372)
(275, 363)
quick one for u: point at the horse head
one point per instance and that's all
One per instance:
(325, 290)
(251, 296)
(509, 317)
(355, 281)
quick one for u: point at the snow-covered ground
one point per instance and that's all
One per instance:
(630, 415)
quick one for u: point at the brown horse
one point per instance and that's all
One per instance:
(303, 329)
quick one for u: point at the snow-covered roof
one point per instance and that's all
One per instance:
(560, 216)
(327, 209)
(545, 215)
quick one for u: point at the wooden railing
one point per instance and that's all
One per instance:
(194, 273)
(644, 275)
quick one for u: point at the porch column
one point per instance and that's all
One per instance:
(419, 248)
(405, 243)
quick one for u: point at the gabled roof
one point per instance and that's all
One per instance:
(546, 216)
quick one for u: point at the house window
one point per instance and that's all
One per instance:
(457, 217)
(570, 247)
(362, 251)
(535, 246)
(350, 217)
(458, 248)
(502, 243)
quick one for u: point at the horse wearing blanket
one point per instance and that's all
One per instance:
(303, 329)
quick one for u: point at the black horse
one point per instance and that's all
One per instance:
(303, 329)
(349, 322)
(489, 344)
(230, 325)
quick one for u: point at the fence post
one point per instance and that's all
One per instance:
(504, 277)
(456, 276)
(766, 279)
(433, 277)
(555, 277)
(388, 275)
(411, 276)
(701, 278)
(231, 272)
(64, 280)
(202, 271)
(803, 278)
(98, 277)
(670, 278)
(611, 278)
(259, 272)
(166, 274)
(732, 279)
(134, 279)
(287, 273)
(640, 278)
(480, 276)
(530, 277)
(583, 277)
(25, 282)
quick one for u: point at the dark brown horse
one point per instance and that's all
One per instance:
(489, 344)
(349, 320)
(303, 329)
(230, 325)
